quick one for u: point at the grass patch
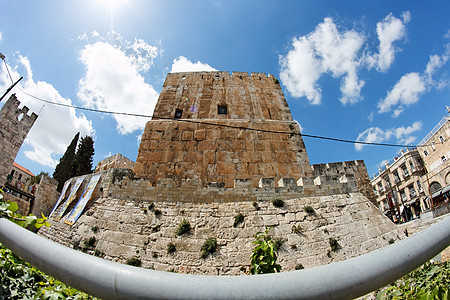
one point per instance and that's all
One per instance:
(134, 261)
(171, 248)
(308, 209)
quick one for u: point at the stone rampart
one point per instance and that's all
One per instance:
(130, 218)
(356, 168)
(14, 126)
(46, 196)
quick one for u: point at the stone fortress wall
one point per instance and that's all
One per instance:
(210, 144)
(15, 123)
(197, 162)
(131, 218)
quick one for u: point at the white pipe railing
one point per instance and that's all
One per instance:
(341, 280)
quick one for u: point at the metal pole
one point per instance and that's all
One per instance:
(10, 88)
(341, 280)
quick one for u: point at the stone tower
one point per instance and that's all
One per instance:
(15, 123)
(208, 142)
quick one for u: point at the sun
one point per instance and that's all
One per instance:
(110, 4)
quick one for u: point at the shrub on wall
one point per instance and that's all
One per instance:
(171, 248)
(264, 255)
(134, 261)
(333, 244)
(308, 209)
(277, 202)
(238, 219)
(209, 247)
(183, 228)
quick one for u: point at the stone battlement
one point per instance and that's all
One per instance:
(121, 184)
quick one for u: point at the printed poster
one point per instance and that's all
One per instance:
(61, 197)
(72, 195)
(84, 199)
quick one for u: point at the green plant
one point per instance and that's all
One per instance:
(430, 281)
(297, 229)
(183, 228)
(277, 202)
(19, 280)
(98, 253)
(151, 206)
(144, 211)
(154, 254)
(276, 81)
(134, 261)
(264, 255)
(91, 241)
(171, 248)
(157, 212)
(299, 267)
(256, 206)
(94, 229)
(391, 241)
(238, 219)
(308, 209)
(209, 247)
(333, 244)
(8, 210)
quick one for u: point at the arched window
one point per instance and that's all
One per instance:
(435, 186)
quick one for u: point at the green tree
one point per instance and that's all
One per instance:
(37, 179)
(84, 156)
(64, 169)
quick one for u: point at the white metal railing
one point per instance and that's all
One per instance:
(341, 280)
(433, 131)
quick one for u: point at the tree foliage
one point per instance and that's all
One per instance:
(264, 256)
(64, 169)
(37, 179)
(84, 157)
(75, 163)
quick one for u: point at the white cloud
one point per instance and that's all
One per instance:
(182, 64)
(370, 117)
(378, 135)
(390, 30)
(405, 92)
(56, 126)
(113, 80)
(325, 50)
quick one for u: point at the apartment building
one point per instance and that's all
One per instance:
(398, 187)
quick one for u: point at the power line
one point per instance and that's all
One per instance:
(219, 125)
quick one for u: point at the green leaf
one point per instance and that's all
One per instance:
(12, 206)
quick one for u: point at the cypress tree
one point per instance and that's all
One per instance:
(84, 156)
(63, 170)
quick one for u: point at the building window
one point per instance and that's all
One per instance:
(412, 191)
(396, 177)
(425, 152)
(432, 146)
(405, 170)
(441, 139)
(178, 113)
(222, 109)
(411, 165)
(443, 158)
(419, 186)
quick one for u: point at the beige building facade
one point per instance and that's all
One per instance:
(435, 151)
(399, 188)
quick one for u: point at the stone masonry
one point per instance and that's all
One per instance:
(129, 218)
(15, 123)
(222, 145)
(206, 140)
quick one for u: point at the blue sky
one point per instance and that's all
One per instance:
(373, 71)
